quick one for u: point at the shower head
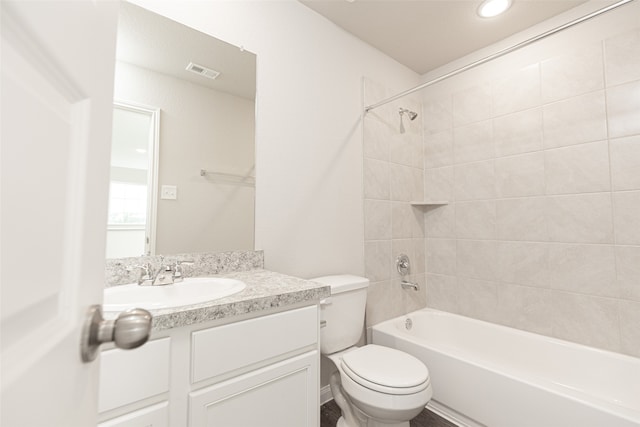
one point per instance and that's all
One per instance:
(412, 116)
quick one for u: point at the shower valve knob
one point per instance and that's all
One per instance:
(403, 265)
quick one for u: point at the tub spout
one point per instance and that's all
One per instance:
(409, 285)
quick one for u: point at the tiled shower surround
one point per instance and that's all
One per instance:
(541, 168)
(393, 176)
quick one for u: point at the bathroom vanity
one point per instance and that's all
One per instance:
(248, 359)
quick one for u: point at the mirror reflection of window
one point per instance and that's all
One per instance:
(130, 221)
(127, 204)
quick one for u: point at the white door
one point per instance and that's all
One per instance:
(57, 90)
(135, 139)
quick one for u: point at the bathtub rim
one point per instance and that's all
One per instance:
(393, 327)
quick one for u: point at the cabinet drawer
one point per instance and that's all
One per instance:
(279, 395)
(152, 416)
(127, 376)
(223, 349)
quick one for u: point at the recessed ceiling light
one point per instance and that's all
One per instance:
(141, 150)
(491, 8)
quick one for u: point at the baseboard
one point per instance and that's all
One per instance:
(325, 394)
(451, 415)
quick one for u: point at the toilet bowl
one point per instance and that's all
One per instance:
(374, 386)
(385, 386)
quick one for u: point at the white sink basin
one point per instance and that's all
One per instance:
(192, 290)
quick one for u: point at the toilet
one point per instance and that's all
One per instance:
(374, 386)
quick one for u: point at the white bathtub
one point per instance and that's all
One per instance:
(502, 377)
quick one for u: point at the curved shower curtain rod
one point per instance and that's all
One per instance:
(498, 54)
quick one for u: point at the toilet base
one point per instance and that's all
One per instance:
(372, 423)
(354, 416)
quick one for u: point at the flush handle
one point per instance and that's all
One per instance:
(325, 302)
(129, 330)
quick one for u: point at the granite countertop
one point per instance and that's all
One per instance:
(265, 290)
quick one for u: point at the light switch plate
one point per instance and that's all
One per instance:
(169, 192)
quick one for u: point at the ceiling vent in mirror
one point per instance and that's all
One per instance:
(203, 71)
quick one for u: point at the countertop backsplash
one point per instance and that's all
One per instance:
(121, 271)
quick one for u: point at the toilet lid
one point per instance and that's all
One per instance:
(386, 369)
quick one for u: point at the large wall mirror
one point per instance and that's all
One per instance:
(183, 149)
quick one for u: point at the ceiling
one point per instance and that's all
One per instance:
(426, 34)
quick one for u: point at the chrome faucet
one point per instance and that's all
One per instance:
(404, 267)
(165, 275)
(409, 285)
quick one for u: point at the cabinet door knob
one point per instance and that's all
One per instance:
(129, 330)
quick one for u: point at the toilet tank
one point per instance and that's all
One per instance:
(343, 312)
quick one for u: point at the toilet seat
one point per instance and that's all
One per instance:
(385, 370)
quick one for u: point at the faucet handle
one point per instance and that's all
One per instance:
(145, 272)
(178, 275)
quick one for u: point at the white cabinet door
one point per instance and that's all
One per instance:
(152, 416)
(130, 376)
(57, 90)
(281, 395)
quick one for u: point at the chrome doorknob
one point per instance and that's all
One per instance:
(129, 330)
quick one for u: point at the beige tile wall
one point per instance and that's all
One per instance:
(393, 176)
(542, 168)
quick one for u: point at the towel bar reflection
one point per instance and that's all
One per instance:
(227, 178)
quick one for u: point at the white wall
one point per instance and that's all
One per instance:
(309, 213)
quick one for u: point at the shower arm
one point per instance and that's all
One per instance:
(498, 54)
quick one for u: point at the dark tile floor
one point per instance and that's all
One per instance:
(329, 414)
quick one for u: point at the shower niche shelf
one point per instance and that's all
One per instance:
(428, 203)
